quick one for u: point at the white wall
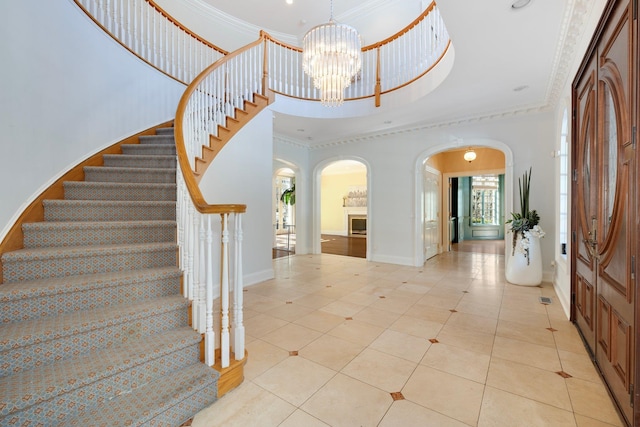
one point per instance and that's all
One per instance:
(393, 195)
(68, 90)
(242, 174)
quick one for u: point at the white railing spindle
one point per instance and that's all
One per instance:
(238, 289)
(200, 319)
(209, 335)
(224, 293)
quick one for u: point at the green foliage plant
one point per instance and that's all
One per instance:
(525, 220)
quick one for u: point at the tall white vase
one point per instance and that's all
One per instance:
(518, 270)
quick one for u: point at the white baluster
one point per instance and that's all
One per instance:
(179, 219)
(185, 202)
(196, 278)
(200, 319)
(190, 244)
(209, 335)
(224, 293)
(238, 315)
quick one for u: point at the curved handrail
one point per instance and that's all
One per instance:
(183, 158)
(185, 29)
(403, 31)
(138, 31)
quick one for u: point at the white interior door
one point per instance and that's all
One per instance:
(431, 230)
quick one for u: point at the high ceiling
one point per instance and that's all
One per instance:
(507, 61)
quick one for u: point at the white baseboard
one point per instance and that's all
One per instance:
(565, 300)
(335, 232)
(258, 277)
(390, 259)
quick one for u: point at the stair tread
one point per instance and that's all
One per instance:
(144, 403)
(97, 224)
(168, 139)
(121, 184)
(19, 334)
(78, 251)
(127, 169)
(26, 388)
(146, 145)
(140, 156)
(109, 202)
(36, 288)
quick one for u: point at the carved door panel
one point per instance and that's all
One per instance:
(605, 216)
(584, 209)
(615, 238)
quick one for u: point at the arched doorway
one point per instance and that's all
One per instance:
(448, 165)
(284, 213)
(343, 225)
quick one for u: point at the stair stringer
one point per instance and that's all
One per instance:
(225, 133)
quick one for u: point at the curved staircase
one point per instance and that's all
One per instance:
(94, 330)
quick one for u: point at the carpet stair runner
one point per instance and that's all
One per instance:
(94, 330)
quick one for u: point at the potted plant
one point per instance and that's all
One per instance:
(524, 260)
(288, 196)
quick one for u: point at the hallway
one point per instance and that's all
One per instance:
(339, 341)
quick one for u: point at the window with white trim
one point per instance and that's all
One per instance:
(563, 205)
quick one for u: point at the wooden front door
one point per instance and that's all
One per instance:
(605, 210)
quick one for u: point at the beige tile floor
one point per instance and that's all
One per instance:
(339, 341)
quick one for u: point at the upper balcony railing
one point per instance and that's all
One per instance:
(152, 34)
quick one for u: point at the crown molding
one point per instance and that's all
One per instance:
(498, 115)
(571, 32)
(289, 141)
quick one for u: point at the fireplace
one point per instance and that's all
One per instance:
(357, 225)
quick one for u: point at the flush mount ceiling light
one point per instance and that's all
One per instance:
(470, 155)
(519, 4)
(331, 56)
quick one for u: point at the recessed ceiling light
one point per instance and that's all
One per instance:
(289, 1)
(519, 4)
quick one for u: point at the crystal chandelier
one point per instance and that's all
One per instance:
(331, 56)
